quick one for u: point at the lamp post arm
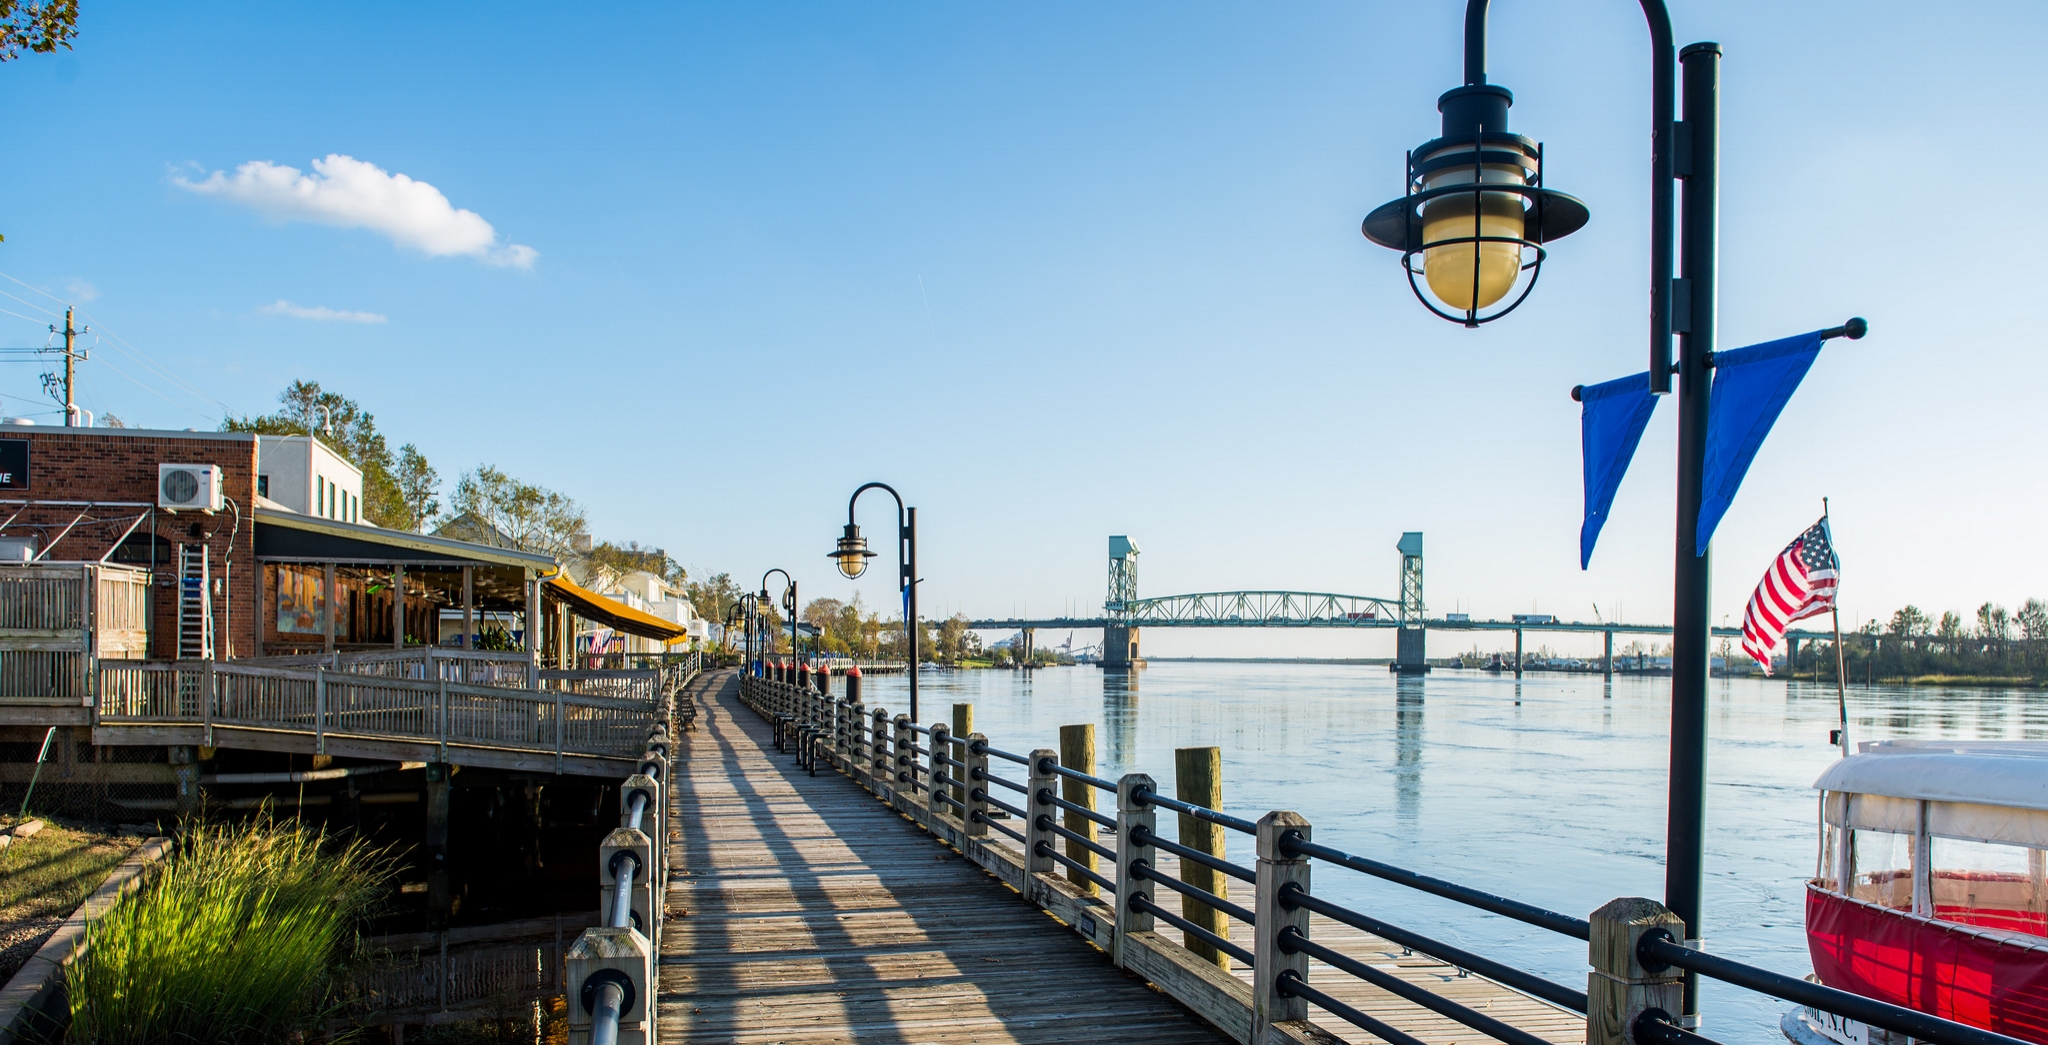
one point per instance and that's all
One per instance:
(1663, 143)
(875, 486)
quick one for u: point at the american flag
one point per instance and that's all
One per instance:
(1799, 584)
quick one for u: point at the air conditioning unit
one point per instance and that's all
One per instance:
(188, 487)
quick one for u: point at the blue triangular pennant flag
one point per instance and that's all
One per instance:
(1612, 417)
(1751, 387)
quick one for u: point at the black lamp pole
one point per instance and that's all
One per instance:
(788, 603)
(852, 555)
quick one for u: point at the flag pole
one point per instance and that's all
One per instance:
(1841, 676)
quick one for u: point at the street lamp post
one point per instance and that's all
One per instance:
(788, 604)
(852, 555)
(1475, 210)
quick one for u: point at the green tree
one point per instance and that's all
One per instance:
(37, 27)
(1950, 632)
(713, 597)
(493, 508)
(606, 564)
(345, 427)
(419, 488)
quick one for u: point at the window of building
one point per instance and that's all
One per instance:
(262, 486)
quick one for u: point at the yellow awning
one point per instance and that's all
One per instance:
(615, 614)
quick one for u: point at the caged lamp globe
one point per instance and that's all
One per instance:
(1474, 215)
(852, 553)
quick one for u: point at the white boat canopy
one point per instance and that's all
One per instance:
(1986, 791)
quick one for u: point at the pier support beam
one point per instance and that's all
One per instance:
(1120, 647)
(1607, 659)
(1518, 653)
(440, 901)
(1410, 657)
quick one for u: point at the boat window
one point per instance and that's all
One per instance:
(1883, 869)
(1990, 884)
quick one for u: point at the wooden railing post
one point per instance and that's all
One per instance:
(319, 710)
(1043, 782)
(941, 741)
(906, 780)
(977, 785)
(881, 767)
(1276, 869)
(1077, 752)
(1619, 989)
(1198, 780)
(1130, 855)
(963, 725)
(859, 760)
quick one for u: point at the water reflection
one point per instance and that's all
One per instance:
(1408, 749)
(1549, 789)
(1120, 717)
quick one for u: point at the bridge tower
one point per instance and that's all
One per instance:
(1120, 640)
(1409, 655)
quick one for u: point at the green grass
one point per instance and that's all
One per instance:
(236, 939)
(51, 872)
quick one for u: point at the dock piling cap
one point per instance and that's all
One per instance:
(853, 672)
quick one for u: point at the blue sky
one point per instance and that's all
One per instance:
(1057, 271)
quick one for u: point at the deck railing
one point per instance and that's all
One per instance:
(611, 967)
(956, 789)
(563, 719)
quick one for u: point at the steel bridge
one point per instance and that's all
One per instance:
(1124, 613)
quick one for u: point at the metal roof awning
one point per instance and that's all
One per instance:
(289, 536)
(614, 614)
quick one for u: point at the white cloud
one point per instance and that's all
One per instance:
(320, 313)
(81, 291)
(350, 193)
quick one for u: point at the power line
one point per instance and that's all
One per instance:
(31, 304)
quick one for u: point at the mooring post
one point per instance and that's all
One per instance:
(1607, 659)
(963, 726)
(1132, 819)
(1518, 653)
(1276, 870)
(1198, 780)
(1077, 752)
(1619, 989)
(1037, 805)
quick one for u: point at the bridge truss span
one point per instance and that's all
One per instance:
(1259, 609)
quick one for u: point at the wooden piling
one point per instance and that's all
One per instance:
(963, 724)
(1077, 752)
(1198, 780)
(1619, 988)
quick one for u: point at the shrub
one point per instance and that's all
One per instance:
(235, 940)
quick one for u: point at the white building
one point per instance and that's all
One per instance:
(648, 593)
(298, 473)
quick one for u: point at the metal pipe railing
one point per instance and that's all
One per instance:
(1280, 916)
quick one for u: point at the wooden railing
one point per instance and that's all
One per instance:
(1099, 871)
(57, 618)
(473, 667)
(562, 719)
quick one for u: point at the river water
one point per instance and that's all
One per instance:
(1549, 790)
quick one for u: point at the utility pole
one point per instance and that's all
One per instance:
(71, 357)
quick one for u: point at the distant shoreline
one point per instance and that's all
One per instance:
(1271, 660)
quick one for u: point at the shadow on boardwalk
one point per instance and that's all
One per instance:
(817, 914)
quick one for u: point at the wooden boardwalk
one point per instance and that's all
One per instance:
(817, 914)
(806, 910)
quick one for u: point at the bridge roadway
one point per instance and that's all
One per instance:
(805, 910)
(1432, 624)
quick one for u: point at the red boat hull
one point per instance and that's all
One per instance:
(1986, 977)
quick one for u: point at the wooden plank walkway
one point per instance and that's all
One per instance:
(817, 914)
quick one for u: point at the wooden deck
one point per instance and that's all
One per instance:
(817, 914)
(804, 909)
